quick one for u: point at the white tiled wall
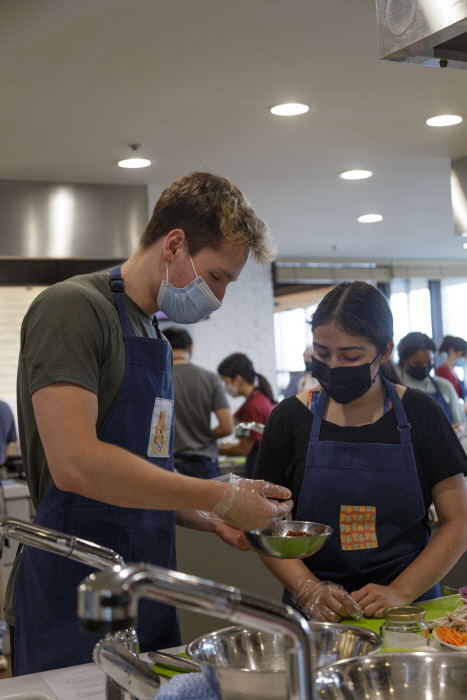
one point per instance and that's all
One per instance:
(14, 302)
(244, 323)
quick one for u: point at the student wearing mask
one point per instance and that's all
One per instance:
(95, 402)
(456, 351)
(366, 456)
(416, 359)
(240, 379)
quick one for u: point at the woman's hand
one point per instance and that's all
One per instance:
(325, 601)
(374, 599)
(231, 535)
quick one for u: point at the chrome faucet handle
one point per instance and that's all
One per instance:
(131, 675)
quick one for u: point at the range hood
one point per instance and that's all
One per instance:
(426, 32)
(52, 230)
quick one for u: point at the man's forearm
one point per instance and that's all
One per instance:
(110, 474)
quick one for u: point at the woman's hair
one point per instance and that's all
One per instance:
(412, 343)
(240, 364)
(452, 342)
(358, 308)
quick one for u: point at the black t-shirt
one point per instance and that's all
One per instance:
(438, 452)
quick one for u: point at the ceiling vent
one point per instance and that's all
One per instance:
(427, 32)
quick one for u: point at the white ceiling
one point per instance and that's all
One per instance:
(193, 79)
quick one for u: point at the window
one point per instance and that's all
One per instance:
(411, 307)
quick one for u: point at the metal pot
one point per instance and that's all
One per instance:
(396, 676)
(245, 664)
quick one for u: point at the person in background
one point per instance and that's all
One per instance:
(307, 381)
(301, 381)
(456, 352)
(7, 430)
(416, 359)
(366, 456)
(197, 394)
(240, 379)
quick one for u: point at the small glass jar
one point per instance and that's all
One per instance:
(404, 628)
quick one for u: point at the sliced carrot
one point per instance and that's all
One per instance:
(450, 636)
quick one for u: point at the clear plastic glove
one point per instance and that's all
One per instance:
(246, 504)
(325, 601)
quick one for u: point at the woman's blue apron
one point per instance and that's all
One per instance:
(439, 398)
(140, 421)
(370, 494)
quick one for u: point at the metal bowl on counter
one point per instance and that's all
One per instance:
(280, 542)
(245, 664)
(396, 676)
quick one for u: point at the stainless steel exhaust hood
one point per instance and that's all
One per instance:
(49, 230)
(427, 32)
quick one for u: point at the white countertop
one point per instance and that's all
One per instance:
(34, 687)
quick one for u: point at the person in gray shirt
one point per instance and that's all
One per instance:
(197, 393)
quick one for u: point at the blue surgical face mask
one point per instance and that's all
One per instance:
(460, 362)
(188, 304)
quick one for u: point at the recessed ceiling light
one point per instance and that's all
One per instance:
(369, 218)
(444, 120)
(290, 109)
(356, 174)
(134, 162)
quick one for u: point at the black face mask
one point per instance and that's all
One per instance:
(343, 384)
(419, 372)
(308, 366)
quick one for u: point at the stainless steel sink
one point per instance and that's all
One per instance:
(395, 676)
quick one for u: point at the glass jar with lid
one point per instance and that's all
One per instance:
(404, 628)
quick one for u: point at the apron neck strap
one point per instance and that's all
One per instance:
(402, 422)
(117, 285)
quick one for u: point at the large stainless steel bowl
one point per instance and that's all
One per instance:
(243, 664)
(274, 542)
(396, 676)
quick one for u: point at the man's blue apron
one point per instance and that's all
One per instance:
(439, 398)
(370, 494)
(140, 421)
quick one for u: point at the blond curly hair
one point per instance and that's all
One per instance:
(211, 211)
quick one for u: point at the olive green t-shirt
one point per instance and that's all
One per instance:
(71, 333)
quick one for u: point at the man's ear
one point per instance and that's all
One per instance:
(173, 243)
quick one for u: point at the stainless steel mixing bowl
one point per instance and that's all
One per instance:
(396, 676)
(274, 542)
(243, 664)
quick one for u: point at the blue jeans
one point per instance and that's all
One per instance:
(196, 465)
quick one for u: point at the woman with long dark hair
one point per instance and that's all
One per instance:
(366, 456)
(241, 379)
(455, 349)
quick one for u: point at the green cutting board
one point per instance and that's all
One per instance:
(159, 668)
(435, 608)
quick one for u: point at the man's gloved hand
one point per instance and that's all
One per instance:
(325, 601)
(246, 504)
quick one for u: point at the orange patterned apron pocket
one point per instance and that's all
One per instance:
(358, 527)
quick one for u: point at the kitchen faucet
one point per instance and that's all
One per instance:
(79, 550)
(108, 601)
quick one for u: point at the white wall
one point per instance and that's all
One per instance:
(14, 302)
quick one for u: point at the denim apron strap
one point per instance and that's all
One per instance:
(439, 398)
